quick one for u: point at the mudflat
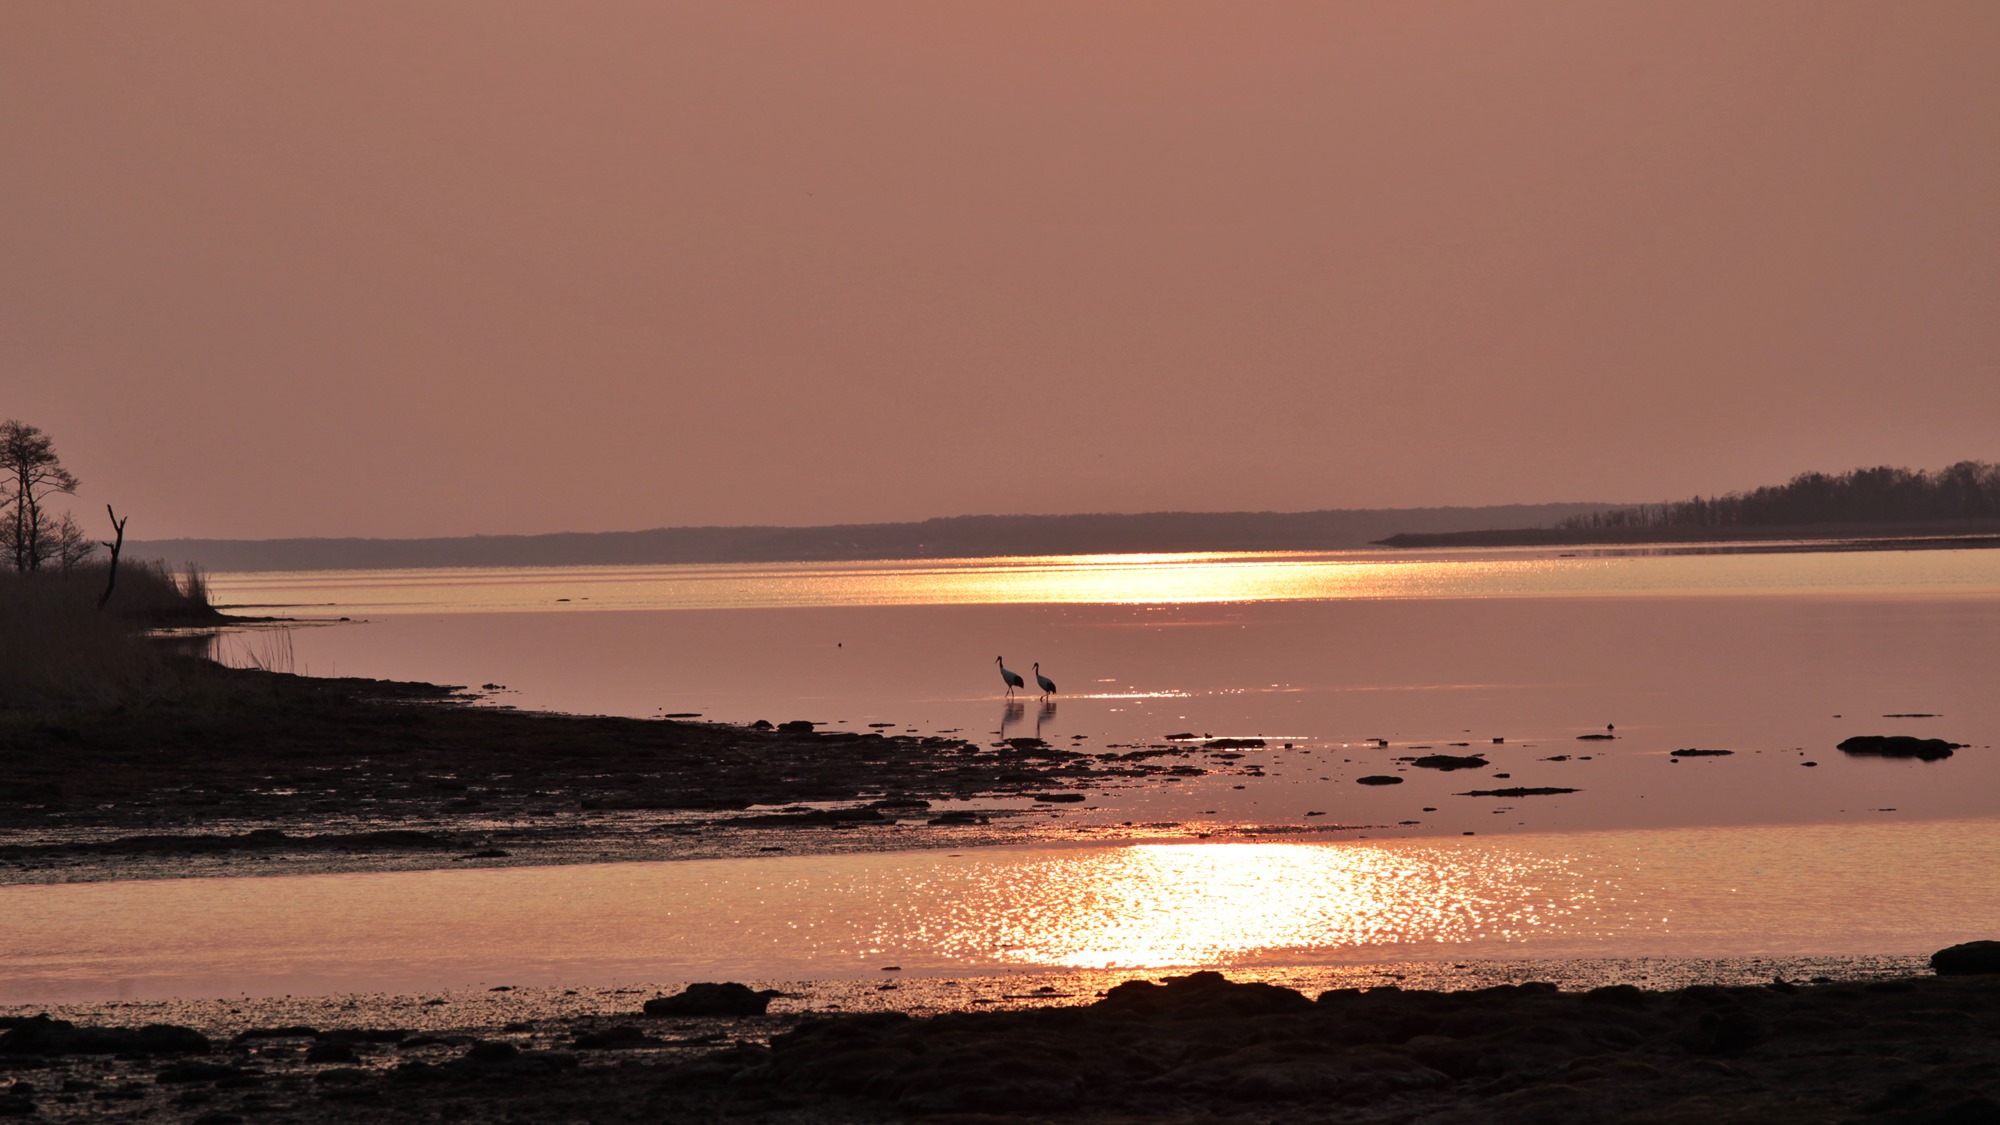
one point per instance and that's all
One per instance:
(369, 773)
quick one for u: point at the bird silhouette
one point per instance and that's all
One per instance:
(1013, 679)
(1048, 686)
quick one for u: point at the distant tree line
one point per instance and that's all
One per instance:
(1967, 490)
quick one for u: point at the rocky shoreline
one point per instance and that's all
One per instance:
(1901, 1051)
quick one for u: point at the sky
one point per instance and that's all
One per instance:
(442, 268)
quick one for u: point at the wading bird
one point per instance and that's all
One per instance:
(1013, 679)
(1048, 685)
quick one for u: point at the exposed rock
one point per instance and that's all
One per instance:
(1693, 753)
(611, 1038)
(959, 816)
(1520, 791)
(1059, 798)
(1450, 762)
(710, 999)
(1900, 746)
(1378, 779)
(331, 1053)
(40, 1035)
(802, 818)
(1202, 995)
(1233, 744)
(1967, 959)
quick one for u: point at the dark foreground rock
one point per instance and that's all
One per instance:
(707, 999)
(1900, 746)
(1186, 1049)
(40, 1035)
(1968, 959)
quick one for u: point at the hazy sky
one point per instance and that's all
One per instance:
(355, 268)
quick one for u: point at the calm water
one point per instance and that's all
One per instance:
(1712, 893)
(1774, 657)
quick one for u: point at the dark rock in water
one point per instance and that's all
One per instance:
(1900, 746)
(1520, 791)
(295, 1031)
(958, 816)
(1059, 798)
(709, 999)
(612, 1038)
(1617, 995)
(1599, 737)
(1693, 753)
(491, 1051)
(1202, 995)
(1378, 779)
(761, 724)
(1450, 762)
(40, 1035)
(797, 726)
(1233, 744)
(1969, 959)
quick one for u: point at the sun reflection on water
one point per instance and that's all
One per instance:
(1191, 578)
(1161, 905)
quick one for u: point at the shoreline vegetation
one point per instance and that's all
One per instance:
(1943, 534)
(952, 537)
(1957, 506)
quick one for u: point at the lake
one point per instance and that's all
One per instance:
(1775, 657)
(1346, 665)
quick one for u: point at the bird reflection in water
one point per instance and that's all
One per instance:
(1010, 713)
(1043, 714)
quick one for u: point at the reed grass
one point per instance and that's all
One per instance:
(59, 651)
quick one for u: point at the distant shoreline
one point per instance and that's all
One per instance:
(1833, 536)
(988, 536)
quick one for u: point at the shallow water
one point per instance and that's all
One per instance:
(1784, 849)
(1776, 657)
(1885, 889)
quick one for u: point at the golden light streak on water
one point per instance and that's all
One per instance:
(1162, 905)
(1177, 579)
(1824, 890)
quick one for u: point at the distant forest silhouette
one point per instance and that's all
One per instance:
(956, 536)
(1881, 495)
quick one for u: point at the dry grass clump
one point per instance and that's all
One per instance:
(58, 650)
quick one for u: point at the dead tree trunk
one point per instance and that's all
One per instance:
(111, 573)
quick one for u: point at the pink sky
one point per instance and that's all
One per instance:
(356, 268)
